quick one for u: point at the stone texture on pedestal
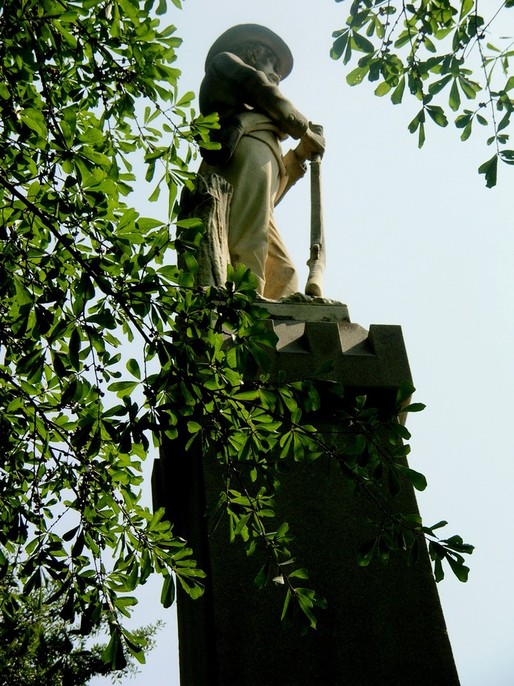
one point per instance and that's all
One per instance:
(383, 625)
(371, 361)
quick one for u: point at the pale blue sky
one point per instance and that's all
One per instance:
(414, 238)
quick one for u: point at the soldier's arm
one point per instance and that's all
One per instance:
(252, 87)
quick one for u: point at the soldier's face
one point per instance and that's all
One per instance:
(268, 64)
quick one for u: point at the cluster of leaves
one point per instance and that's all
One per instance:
(439, 52)
(267, 427)
(373, 456)
(38, 648)
(82, 276)
(106, 348)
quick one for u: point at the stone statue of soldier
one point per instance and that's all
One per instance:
(242, 71)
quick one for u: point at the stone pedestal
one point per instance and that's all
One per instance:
(383, 625)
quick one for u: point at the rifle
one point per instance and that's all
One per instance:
(316, 261)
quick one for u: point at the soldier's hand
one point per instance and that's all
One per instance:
(312, 143)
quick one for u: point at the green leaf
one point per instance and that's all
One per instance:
(35, 120)
(458, 568)
(417, 479)
(416, 122)
(490, 170)
(185, 99)
(362, 43)
(71, 533)
(414, 407)
(404, 38)
(122, 603)
(193, 427)
(123, 388)
(465, 8)
(421, 135)
(285, 607)
(439, 525)
(504, 122)
(454, 98)
(262, 576)
(397, 94)
(194, 591)
(357, 75)
(436, 114)
(382, 89)
(113, 654)
(299, 574)
(438, 570)
(135, 646)
(168, 591)
(456, 543)
(133, 368)
(507, 156)
(339, 45)
(438, 86)
(466, 133)
(366, 553)
(463, 120)
(470, 89)
(404, 393)
(74, 349)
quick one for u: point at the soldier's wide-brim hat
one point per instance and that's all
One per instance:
(253, 33)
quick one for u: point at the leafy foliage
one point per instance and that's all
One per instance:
(106, 348)
(439, 52)
(85, 87)
(268, 426)
(38, 648)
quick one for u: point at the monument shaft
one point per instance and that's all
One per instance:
(384, 623)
